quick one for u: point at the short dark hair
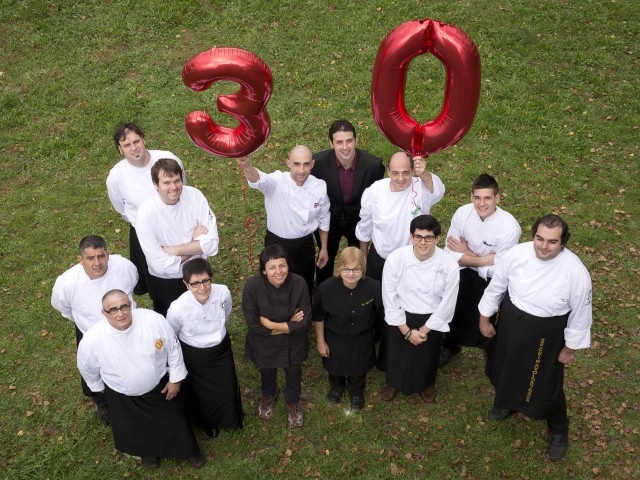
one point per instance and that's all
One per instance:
(115, 291)
(194, 267)
(168, 166)
(552, 221)
(121, 132)
(485, 181)
(273, 252)
(426, 222)
(91, 241)
(341, 126)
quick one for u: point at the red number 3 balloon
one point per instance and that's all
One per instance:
(247, 105)
(461, 60)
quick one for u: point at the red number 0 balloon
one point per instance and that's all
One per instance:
(461, 60)
(247, 105)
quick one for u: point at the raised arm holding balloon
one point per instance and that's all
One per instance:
(388, 207)
(297, 205)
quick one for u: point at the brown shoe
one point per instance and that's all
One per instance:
(265, 408)
(388, 393)
(294, 415)
(428, 395)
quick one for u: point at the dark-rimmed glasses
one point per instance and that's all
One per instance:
(205, 283)
(124, 308)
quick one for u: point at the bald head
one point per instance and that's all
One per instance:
(400, 171)
(300, 151)
(400, 159)
(300, 163)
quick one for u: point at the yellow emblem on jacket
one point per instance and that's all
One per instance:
(159, 344)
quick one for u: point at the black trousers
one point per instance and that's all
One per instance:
(136, 255)
(163, 291)
(375, 264)
(354, 384)
(97, 397)
(292, 385)
(337, 230)
(302, 253)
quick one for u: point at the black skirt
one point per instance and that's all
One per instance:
(149, 425)
(351, 355)
(211, 390)
(522, 362)
(410, 368)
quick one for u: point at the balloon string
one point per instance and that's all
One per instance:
(414, 193)
(250, 224)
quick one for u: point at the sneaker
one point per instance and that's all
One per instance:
(102, 414)
(295, 415)
(265, 409)
(558, 445)
(446, 354)
(334, 396)
(151, 462)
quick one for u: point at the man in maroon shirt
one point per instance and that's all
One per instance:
(347, 171)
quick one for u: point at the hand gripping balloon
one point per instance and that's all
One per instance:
(247, 105)
(461, 60)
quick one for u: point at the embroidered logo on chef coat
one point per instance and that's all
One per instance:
(159, 344)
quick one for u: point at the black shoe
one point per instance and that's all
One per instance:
(102, 414)
(357, 403)
(446, 354)
(213, 432)
(558, 445)
(151, 462)
(499, 413)
(334, 396)
(197, 460)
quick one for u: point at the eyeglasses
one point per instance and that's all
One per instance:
(355, 271)
(426, 238)
(205, 283)
(124, 308)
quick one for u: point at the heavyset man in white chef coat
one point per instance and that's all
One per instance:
(77, 294)
(134, 357)
(543, 291)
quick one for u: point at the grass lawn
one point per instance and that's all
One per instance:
(557, 124)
